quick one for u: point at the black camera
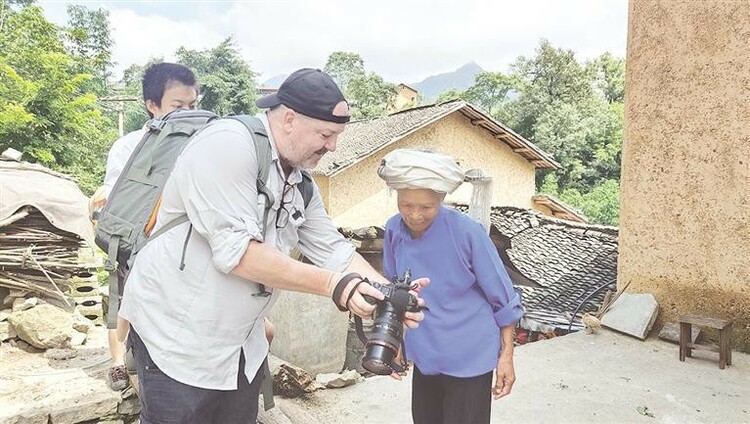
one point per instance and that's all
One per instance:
(387, 329)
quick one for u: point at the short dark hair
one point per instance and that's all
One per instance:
(159, 75)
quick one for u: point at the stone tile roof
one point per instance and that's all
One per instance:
(555, 263)
(363, 138)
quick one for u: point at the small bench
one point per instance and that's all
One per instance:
(725, 333)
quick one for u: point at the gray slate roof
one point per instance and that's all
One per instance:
(363, 138)
(558, 263)
(555, 263)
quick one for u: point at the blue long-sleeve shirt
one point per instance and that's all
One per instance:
(470, 295)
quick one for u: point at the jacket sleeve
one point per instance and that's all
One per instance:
(216, 180)
(493, 279)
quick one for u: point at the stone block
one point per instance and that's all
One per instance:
(22, 304)
(5, 313)
(95, 313)
(6, 331)
(92, 408)
(335, 380)
(43, 327)
(84, 285)
(92, 300)
(77, 338)
(632, 314)
(671, 333)
(129, 406)
(82, 324)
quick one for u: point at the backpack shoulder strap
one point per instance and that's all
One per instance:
(306, 188)
(263, 152)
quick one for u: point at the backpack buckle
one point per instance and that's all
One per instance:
(156, 123)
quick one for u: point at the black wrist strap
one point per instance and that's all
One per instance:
(354, 290)
(339, 289)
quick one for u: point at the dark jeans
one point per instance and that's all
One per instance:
(443, 399)
(165, 400)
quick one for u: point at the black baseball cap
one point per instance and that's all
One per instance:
(310, 92)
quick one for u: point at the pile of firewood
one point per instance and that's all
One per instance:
(37, 257)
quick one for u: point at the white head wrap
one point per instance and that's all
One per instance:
(408, 168)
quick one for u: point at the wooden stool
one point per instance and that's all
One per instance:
(725, 333)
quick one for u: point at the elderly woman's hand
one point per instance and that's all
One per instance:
(412, 319)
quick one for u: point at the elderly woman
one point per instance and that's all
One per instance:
(473, 309)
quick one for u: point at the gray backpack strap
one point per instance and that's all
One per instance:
(114, 283)
(168, 226)
(263, 153)
(306, 188)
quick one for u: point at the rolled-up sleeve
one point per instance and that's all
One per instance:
(494, 280)
(320, 241)
(216, 179)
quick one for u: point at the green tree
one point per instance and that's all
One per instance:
(449, 95)
(608, 73)
(227, 82)
(490, 91)
(601, 205)
(344, 67)
(551, 76)
(370, 96)
(569, 109)
(90, 43)
(47, 110)
(130, 86)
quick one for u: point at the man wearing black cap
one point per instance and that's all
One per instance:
(196, 303)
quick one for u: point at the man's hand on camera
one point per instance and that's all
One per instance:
(356, 302)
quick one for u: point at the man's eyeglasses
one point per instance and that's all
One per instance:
(282, 218)
(287, 197)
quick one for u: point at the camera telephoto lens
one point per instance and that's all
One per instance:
(385, 339)
(378, 360)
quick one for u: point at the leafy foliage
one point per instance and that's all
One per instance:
(609, 74)
(227, 82)
(369, 95)
(47, 108)
(90, 43)
(345, 67)
(570, 109)
(490, 91)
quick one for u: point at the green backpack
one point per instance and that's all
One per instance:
(124, 224)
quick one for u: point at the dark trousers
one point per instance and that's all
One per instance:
(442, 399)
(166, 401)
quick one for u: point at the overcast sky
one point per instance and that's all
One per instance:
(403, 41)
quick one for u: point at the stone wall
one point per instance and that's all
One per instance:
(685, 219)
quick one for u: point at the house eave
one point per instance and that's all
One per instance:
(500, 132)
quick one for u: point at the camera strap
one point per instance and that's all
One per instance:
(339, 289)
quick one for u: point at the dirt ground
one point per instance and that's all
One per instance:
(601, 378)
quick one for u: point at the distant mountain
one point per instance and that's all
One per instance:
(460, 79)
(275, 81)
